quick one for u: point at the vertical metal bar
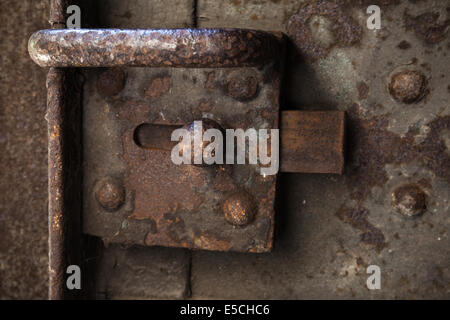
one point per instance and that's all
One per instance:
(58, 13)
(57, 219)
(54, 117)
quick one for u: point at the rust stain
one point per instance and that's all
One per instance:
(111, 82)
(363, 90)
(210, 242)
(210, 78)
(427, 27)
(345, 29)
(205, 105)
(409, 200)
(374, 146)
(190, 48)
(242, 89)
(158, 87)
(357, 218)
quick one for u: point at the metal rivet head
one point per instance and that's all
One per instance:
(239, 209)
(242, 88)
(409, 200)
(110, 193)
(111, 82)
(408, 86)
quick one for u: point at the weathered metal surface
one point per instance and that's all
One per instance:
(344, 29)
(168, 204)
(58, 13)
(57, 220)
(330, 228)
(312, 141)
(318, 254)
(408, 86)
(195, 48)
(409, 200)
(64, 176)
(23, 156)
(66, 244)
(142, 273)
(144, 14)
(155, 136)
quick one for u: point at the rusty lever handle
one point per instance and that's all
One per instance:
(187, 48)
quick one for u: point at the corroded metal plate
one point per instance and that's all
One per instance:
(167, 204)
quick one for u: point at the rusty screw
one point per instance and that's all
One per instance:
(409, 200)
(110, 193)
(239, 209)
(111, 82)
(206, 124)
(408, 86)
(242, 89)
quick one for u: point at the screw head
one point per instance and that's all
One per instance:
(408, 86)
(239, 209)
(110, 193)
(409, 200)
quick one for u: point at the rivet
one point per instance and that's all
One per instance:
(409, 200)
(110, 193)
(408, 86)
(239, 209)
(111, 82)
(242, 88)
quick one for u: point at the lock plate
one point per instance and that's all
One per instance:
(163, 203)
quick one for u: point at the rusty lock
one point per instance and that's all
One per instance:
(155, 202)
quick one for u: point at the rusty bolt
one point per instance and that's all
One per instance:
(409, 200)
(408, 86)
(110, 193)
(206, 124)
(242, 89)
(239, 209)
(111, 82)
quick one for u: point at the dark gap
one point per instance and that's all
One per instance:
(154, 136)
(195, 14)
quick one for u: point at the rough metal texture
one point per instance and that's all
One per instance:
(142, 273)
(312, 141)
(64, 177)
(256, 14)
(145, 14)
(66, 244)
(195, 48)
(167, 204)
(318, 253)
(23, 155)
(58, 14)
(330, 228)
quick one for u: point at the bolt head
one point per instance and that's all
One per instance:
(110, 193)
(408, 86)
(409, 200)
(239, 209)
